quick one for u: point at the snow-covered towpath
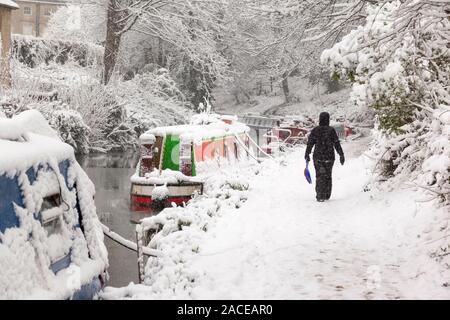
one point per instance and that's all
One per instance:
(282, 244)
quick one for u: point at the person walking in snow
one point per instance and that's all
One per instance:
(324, 139)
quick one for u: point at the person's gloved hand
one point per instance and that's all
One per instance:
(342, 160)
(307, 158)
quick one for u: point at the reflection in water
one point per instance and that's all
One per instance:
(111, 175)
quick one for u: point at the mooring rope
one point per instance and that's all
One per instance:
(128, 243)
(245, 148)
(258, 147)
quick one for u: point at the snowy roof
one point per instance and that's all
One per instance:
(57, 2)
(196, 132)
(27, 140)
(9, 4)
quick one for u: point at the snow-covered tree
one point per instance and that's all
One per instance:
(399, 63)
(189, 26)
(78, 22)
(278, 38)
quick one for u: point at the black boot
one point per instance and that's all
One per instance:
(323, 179)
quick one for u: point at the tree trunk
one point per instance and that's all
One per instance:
(333, 85)
(5, 28)
(161, 54)
(246, 94)
(285, 86)
(113, 38)
(236, 97)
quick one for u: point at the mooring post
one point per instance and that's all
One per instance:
(257, 141)
(140, 255)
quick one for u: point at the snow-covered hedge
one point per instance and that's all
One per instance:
(33, 51)
(399, 64)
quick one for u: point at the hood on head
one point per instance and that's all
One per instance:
(324, 119)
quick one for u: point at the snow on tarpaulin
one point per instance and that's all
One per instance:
(35, 164)
(27, 139)
(27, 122)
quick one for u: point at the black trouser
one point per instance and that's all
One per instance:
(324, 169)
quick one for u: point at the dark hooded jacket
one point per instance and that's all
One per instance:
(325, 140)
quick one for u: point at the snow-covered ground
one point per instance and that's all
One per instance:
(282, 244)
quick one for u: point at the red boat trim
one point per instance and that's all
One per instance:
(181, 184)
(144, 203)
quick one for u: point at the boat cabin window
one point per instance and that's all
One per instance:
(51, 212)
(50, 202)
(53, 226)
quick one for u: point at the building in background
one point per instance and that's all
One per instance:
(32, 17)
(6, 9)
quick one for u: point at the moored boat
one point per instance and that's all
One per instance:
(51, 240)
(295, 130)
(173, 159)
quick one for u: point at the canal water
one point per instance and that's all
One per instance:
(111, 175)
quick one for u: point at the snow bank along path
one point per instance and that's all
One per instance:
(281, 244)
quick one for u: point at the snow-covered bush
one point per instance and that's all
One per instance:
(115, 115)
(178, 232)
(34, 51)
(76, 22)
(399, 64)
(86, 114)
(108, 117)
(103, 113)
(67, 122)
(152, 99)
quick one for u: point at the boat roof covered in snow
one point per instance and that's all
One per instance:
(203, 127)
(26, 140)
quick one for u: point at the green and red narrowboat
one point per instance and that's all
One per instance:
(174, 159)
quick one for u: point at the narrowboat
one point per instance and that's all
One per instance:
(295, 130)
(51, 241)
(174, 159)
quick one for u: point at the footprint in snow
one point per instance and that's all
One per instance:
(319, 277)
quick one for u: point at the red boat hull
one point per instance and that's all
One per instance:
(141, 199)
